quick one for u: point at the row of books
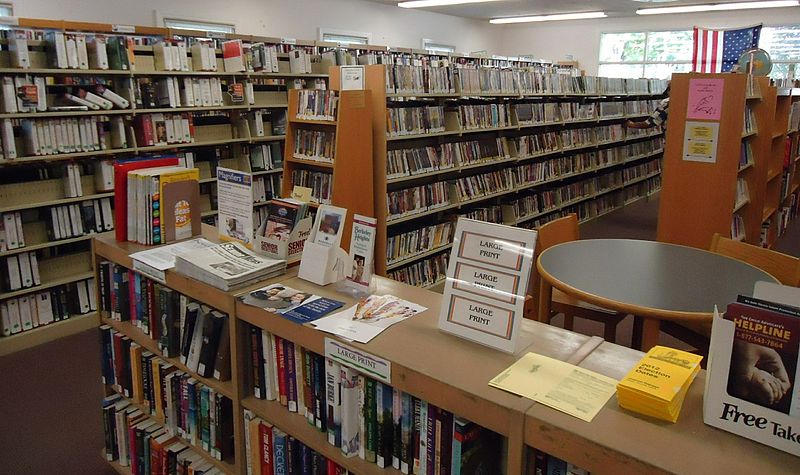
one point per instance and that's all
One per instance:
(164, 129)
(418, 241)
(74, 220)
(476, 151)
(173, 91)
(43, 308)
(641, 189)
(541, 463)
(135, 439)
(786, 213)
(418, 199)
(27, 93)
(407, 79)
(642, 170)
(738, 230)
(321, 184)
(163, 204)
(414, 120)
(12, 234)
(414, 161)
(271, 451)
(317, 145)
(609, 133)
(742, 192)
(21, 271)
(70, 50)
(749, 121)
(182, 328)
(545, 200)
(482, 116)
(364, 417)
(423, 273)
(489, 214)
(315, 104)
(484, 184)
(266, 187)
(535, 173)
(264, 157)
(62, 135)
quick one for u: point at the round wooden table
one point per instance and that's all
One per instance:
(651, 280)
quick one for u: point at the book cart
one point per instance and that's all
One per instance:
(630, 170)
(453, 374)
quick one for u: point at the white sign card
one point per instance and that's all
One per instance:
(352, 78)
(235, 204)
(700, 141)
(486, 283)
(371, 365)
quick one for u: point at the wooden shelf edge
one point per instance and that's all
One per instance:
(47, 333)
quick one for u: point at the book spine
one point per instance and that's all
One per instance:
(320, 405)
(406, 434)
(371, 420)
(291, 375)
(256, 365)
(279, 356)
(430, 441)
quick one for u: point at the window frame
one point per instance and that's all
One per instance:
(199, 25)
(9, 6)
(322, 31)
(437, 46)
(644, 62)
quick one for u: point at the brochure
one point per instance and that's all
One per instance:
(235, 204)
(296, 305)
(329, 225)
(367, 319)
(362, 245)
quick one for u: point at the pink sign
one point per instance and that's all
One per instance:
(705, 99)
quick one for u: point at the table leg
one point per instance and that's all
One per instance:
(545, 295)
(651, 329)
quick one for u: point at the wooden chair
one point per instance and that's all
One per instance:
(556, 232)
(783, 267)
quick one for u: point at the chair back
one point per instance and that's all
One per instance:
(549, 234)
(783, 267)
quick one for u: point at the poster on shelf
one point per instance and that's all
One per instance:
(700, 141)
(235, 205)
(705, 99)
(352, 78)
(487, 279)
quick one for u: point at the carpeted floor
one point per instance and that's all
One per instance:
(50, 418)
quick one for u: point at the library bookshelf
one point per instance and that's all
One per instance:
(740, 194)
(350, 167)
(629, 175)
(429, 364)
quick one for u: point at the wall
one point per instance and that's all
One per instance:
(300, 19)
(582, 38)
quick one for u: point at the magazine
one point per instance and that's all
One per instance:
(369, 317)
(296, 305)
(227, 266)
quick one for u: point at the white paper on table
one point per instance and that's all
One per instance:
(163, 257)
(342, 323)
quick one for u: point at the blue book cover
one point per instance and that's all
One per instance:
(279, 451)
(312, 310)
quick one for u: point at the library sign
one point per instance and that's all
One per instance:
(487, 278)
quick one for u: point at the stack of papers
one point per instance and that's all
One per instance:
(657, 385)
(227, 266)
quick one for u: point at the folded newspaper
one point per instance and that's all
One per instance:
(227, 266)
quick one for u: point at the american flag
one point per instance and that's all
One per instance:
(718, 50)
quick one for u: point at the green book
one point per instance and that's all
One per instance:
(371, 420)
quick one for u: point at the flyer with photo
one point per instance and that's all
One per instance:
(235, 204)
(367, 319)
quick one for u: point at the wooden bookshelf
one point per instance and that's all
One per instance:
(351, 168)
(697, 199)
(375, 81)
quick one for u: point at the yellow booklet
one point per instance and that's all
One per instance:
(663, 373)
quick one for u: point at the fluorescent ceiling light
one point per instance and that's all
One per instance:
(438, 3)
(715, 7)
(559, 16)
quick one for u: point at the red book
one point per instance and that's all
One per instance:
(282, 391)
(119, 363)
(265, 442)
(121, 169)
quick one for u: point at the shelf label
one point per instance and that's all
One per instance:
(123, 28)
(484, 295)
(371, 365)
(289, 41)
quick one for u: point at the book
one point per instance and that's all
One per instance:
(121, 169)
(180, 204)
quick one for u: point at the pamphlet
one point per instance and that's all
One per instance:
(296, 305)
(235, 204)
(313, 309)
(562, 386)
(367, 319)
(329, 225)
(154, 262)
(362, 246)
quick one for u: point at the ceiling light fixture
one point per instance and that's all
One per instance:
(438, 3)
(715, 7)
(559, 16)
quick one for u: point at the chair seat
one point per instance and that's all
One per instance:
(560, 298)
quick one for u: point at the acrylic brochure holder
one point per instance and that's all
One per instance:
(321, 264)
(487, 279)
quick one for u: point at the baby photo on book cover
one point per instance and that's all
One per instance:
(764, 358)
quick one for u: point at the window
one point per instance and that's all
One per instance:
(783, 45)
(199, 25)
(430, 45)
(345, 36)
(6, 9)
(650, 54)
